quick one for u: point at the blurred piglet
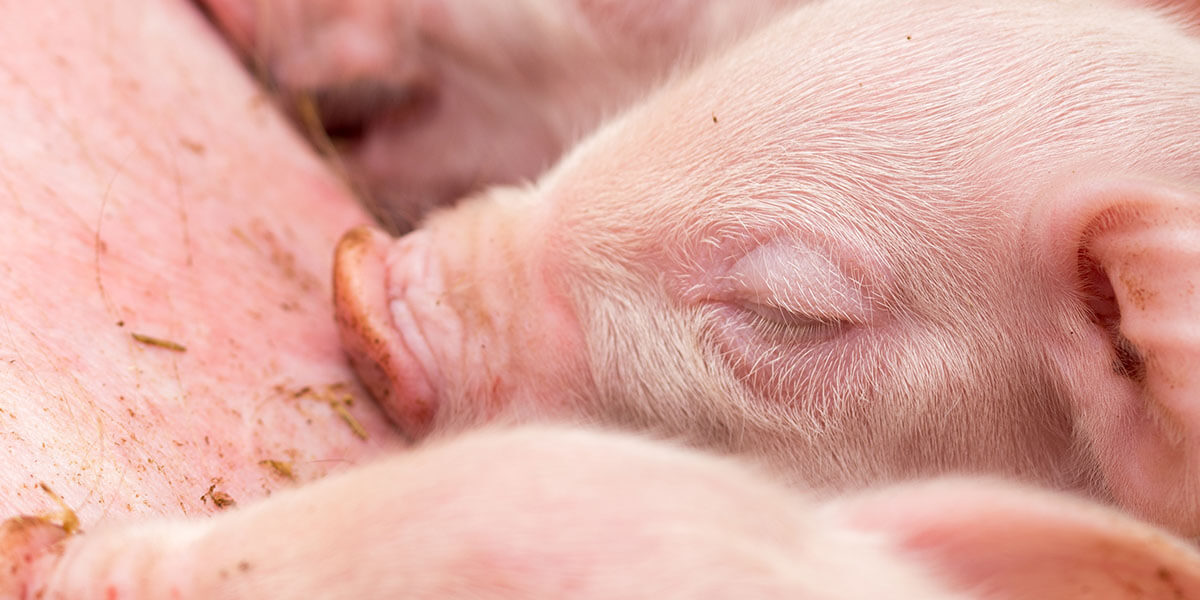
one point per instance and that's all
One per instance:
(554, 513)
(877, 241)
(428, 100)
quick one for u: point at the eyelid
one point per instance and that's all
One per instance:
(806, 281)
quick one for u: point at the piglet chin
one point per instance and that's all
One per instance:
(391, 361)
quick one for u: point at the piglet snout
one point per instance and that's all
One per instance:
(385, 343)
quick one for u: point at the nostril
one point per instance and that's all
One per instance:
(343, 129)
(346, 111)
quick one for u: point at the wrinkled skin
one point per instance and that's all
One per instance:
(426, 101)
(554, 513)
(869, 257)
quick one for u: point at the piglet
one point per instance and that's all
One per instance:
(880, 240)
(428, 100)
(557, 513)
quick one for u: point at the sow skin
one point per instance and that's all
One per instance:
(148, 188)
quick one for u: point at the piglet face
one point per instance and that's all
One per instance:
(417, 102)
(841, 294)
(848, 257)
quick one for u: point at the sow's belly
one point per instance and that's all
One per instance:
(166, 336)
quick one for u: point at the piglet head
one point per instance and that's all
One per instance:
(864, 258)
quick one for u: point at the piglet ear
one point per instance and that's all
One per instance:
(999, 542)
(1184, 12)
(1136, 260)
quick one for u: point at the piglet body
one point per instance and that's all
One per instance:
(536, 512)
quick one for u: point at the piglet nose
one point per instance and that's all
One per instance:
(345, 110)
(376, 348)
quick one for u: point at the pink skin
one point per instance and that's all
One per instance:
(428, 100)
(147, 187)
(570, 513)
(866, 258)
(941, 540)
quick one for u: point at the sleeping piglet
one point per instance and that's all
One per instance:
(877, 241)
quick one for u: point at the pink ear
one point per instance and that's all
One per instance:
(1136, 248)
(998, 541)
(1185, 12)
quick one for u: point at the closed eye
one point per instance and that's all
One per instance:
(793, 283)
(771, 313)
